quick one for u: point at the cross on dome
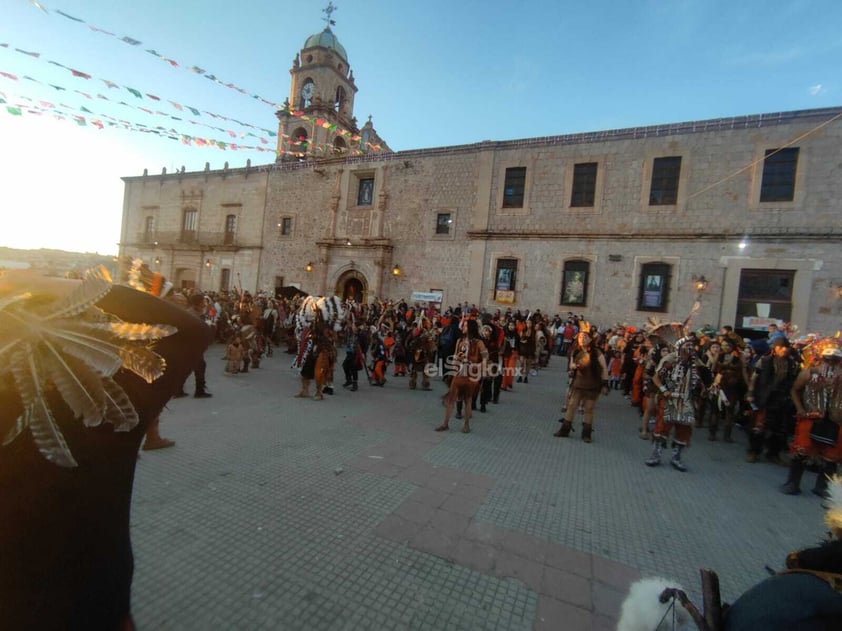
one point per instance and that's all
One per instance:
(328, 11)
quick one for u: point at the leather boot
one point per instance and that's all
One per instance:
(676, 461)
(792, 486)
(305, 389)
(587, 431)
(726, 431)
(822, 479)
(564, 430)
(654, 458)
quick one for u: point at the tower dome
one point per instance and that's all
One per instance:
(326, 39)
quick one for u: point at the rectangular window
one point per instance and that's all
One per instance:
(286, 226)
(574, 283)
(225, 279)
(230, 229)
(189, 225)
(514, 187)
(365, 194)
(150, 228)
(443, 221)
(764, 297)
(664, 188)
(505, 280)
(654, 287)
(779, 168)
(584, 184)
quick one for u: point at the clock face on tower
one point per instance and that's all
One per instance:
(307, 91)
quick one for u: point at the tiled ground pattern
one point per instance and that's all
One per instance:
(281, 513)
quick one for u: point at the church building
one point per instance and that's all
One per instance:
(741, 214)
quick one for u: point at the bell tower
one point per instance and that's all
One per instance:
(320, 106)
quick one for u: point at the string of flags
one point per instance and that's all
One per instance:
(230, 132)
(133, 91)
(131, 41)
(298, 147)
(176, 105)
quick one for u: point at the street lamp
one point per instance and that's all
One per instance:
(700, 283)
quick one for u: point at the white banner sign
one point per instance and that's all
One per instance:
(752, 322)
(426, 296)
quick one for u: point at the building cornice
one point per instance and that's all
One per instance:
(771, 236)
(735, 123)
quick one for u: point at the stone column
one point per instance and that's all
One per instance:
(333, 206)
(379, 210)
(324, 258)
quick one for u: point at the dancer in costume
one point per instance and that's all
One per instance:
(817, 395)
(590, 378)
(679, 384)
(420, 346)
(468, 365)
(84, 369)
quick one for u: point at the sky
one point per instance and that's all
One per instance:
(430, 73)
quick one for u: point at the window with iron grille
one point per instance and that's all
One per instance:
(584, 184)
(189, 224)
(150, 228)
(230, 228)
(665, 174)
(653, 293)
(365, 194)
(514, 187)
(779, 168)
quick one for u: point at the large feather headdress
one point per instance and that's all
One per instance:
(71, 346)
(813, 352)
(670, 333)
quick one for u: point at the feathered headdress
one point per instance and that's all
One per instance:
(833, 515)
(812, 353)
(75, 348)
(144, 279)
(671, 333)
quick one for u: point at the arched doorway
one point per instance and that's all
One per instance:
(352, 285)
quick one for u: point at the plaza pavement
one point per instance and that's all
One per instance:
(273, 512)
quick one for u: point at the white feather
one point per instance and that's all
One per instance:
(643, 611)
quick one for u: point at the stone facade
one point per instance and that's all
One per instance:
(353, 235)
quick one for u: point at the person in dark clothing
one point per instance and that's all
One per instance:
(355, 350)
(64, 530)
(769, 391)
(447, 343)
